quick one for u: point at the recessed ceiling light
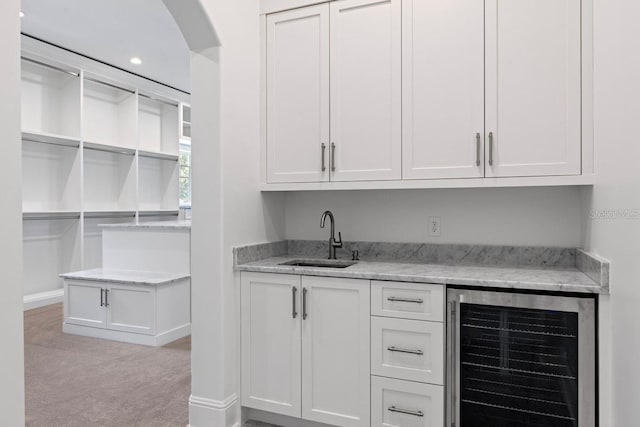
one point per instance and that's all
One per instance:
(21, 14)
(135, 60)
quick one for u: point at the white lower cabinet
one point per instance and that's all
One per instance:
(397, 403)
(311, 349)
(335, 351)
(305, 347)
(270, 329)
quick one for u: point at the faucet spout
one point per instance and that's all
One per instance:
(333, 242)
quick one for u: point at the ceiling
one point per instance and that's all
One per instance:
(114, 31)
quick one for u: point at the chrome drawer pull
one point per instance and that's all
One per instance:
(324, 147)
(405, 350)
(413, 300)
(406, 411)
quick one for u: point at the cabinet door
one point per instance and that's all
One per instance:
(131, 308)
(298, 95)
(533, 103)
(83, 304)
(443, 88)
(335, 351)
(270, 330)
(366, 105)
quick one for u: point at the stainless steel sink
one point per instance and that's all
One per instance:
(319, 263)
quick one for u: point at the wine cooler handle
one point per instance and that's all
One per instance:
(454, 364)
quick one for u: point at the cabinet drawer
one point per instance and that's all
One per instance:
(407, 349)
(417, 301)
(397, 403)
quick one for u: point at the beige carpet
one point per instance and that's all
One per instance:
(77, 381)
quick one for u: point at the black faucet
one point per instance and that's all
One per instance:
(333, 243)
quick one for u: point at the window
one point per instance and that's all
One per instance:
(185, 174)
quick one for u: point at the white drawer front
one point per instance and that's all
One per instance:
(407, 349)
(397, 403)
(417, 301)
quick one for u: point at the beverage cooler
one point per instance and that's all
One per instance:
(520, 360)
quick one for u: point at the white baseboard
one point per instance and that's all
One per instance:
(204, 412)
(42, 299)
(128, 337)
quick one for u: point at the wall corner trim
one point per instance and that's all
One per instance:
(205, 412)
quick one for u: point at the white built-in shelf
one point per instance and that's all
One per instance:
(157, 125)
(50, 99)
(98, 145)
(157, 155)
(50, 246)
(158, 184)
(50, 177)
(49, 138)
(109, 113)
(109, 148)
(109, 181)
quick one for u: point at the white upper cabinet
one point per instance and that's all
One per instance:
(533, 87)
(366, 90)
(297, 91)
(443, 88)
(372, 94)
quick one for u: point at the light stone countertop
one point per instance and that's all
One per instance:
(174, 225)
(126, 276)
(564, 279)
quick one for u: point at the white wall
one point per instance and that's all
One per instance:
(503, 216)
(617, 119)
(11, 331)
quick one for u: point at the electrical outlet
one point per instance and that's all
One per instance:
(434, 226)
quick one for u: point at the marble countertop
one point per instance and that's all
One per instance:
(565, 279)
(174, 225)
(126, 276)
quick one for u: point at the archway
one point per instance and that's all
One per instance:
(210, 406)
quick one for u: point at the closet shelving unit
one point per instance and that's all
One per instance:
(95, 150)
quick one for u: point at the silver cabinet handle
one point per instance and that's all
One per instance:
(324, 148)
(304, 303)
(406, 411)
(106, 297)
(405, 350)
(101, 297)
(333, 157)
(478, 149)
(490, 148)
(413, 300)
(294, 292)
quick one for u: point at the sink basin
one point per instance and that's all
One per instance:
(321, 263)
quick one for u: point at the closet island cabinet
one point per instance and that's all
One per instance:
(362, 94)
